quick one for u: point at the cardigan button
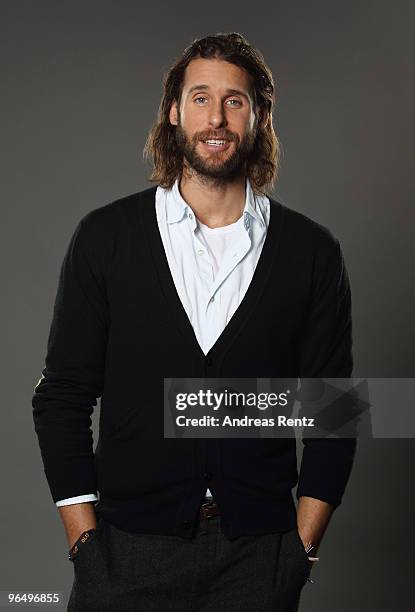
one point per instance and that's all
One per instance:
(209, 361)
(207, 475)
(187, 523)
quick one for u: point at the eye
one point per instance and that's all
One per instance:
(235, 100)
(200, 98)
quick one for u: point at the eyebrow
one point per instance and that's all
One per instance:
(232, 92)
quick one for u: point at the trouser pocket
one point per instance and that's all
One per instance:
(90, 586)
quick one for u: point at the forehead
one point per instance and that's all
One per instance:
(217, 74)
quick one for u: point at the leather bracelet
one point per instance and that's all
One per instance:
(85, 535)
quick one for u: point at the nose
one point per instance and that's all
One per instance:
(217, 117)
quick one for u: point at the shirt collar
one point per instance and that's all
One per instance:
(177, 207)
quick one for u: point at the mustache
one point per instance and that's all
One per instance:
(211, 136)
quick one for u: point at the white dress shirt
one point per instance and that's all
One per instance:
(212, 268)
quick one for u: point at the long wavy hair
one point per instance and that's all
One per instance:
(262, 166)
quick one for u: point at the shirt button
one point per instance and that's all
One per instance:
(212, 299)
(200, 252)
(190, 216)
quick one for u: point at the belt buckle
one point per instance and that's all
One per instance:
(209, 509)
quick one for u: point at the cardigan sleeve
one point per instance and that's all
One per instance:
(326, 352)
(73, 376)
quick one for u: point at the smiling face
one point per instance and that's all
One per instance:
(216, 122)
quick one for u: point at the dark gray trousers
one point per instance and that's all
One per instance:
(118, 571)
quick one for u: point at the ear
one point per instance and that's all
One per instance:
(173, 114)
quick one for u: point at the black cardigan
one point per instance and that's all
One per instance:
(119, 329)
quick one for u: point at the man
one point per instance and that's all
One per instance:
(203, 275)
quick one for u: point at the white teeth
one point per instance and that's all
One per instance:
(215, 142)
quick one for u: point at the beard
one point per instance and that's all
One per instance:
(217, 168)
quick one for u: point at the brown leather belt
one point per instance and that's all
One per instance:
(209, 509)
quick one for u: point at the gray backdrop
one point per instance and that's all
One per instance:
(80, 86)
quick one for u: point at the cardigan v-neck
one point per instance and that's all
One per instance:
(247, 304)
(212, 268)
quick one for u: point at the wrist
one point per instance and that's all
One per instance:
(310, 545)
(83, 538)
